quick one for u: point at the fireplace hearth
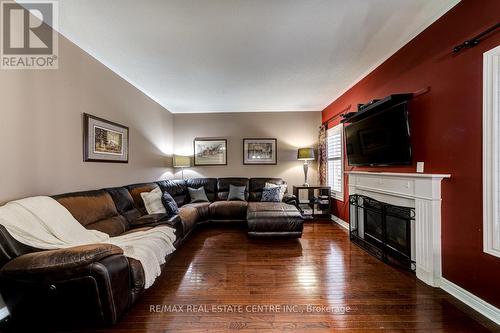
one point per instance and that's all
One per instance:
(383, 229)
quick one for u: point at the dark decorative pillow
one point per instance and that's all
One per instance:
(197, 194)
(170, 204)
(271, 194)
(236, 193)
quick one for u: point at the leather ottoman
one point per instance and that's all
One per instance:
(274, 219)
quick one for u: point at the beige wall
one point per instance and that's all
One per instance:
(41, 131)
(41, 128)
(292, 129)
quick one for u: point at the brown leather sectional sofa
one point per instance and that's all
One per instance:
(97, 283)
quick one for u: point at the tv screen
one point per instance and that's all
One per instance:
(380, 139)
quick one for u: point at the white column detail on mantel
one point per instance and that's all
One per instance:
(416, 190)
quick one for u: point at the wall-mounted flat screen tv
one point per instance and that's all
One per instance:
(380, 139)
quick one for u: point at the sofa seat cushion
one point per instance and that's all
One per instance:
(131, 231)
(228, 210)
(274, 219)
(193, 213)
(147, 222)
(202, 208)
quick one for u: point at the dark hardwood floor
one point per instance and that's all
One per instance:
(221, 266)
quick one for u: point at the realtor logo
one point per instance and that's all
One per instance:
(28, 35)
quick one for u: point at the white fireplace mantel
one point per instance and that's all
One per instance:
(417, 190)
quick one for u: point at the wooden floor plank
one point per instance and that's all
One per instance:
(221, 266)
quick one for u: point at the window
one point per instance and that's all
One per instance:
(491, 152)
(335, 157)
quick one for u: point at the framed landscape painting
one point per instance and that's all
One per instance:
(260, 151)
(210, 152)
(104, 141)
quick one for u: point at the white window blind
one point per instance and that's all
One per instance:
(335, 167)
(491, 152)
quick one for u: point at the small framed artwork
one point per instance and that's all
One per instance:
(210, 151)
(259, 151)
(104, 141)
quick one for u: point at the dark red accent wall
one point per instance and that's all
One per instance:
(446, 129)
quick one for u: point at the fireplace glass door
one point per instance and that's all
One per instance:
(383, 229)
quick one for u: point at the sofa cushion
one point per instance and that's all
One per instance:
(237, 193)
(202, 208)
(256, 185)
(149, 219)
(135, 191)
(124, 203)
(209, 184)
(228, 210)
(271, 219)
(169, 203)
(177, 189)
(189, 216)
(271, 194)
(197, 195)
(131, 231)
(60, 259)
(94, 210)
(193, 213)
(282, 187)
(153, 220)
(270, 206)
(223, 185)
(152, 201)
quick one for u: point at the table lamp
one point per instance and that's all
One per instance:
(182, 162)
(306, 155)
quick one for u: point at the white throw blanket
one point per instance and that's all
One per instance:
(43, 223)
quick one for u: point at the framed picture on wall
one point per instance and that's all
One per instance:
(209, 151)
(104, 141)
(260, 151)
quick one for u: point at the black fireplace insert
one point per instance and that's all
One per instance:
(382, 229)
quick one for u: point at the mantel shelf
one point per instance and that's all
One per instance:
(400, 174)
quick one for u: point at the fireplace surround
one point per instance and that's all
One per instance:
(420, 192)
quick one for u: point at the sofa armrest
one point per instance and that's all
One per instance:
(149, 219)
(152, 220)
(56, 260)
(86, 284)
(291, 199)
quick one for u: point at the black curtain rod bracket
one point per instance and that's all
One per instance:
(475, 40)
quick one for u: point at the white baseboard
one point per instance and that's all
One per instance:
(4, 312)
(340, 222)
(489, 311)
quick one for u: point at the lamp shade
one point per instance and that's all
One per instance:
(305, 154)
(182, 161)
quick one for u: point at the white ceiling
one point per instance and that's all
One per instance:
(244, 55)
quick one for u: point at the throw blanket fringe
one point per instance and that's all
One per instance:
(43, 223)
